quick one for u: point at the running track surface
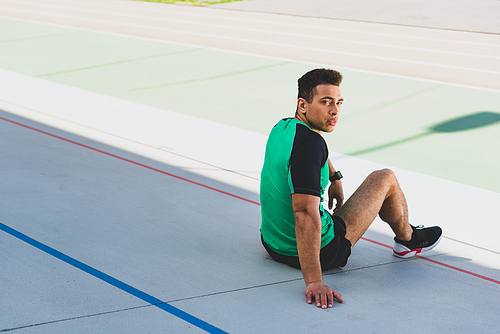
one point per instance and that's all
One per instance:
(224, 304)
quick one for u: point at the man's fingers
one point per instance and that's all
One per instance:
(322, 296)
(318, 300)
(337, 207)
(309, 297)
(340, 203)
(338, 296)
(324, 300)
(329, 299)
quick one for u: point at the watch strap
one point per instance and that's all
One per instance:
(336, 176)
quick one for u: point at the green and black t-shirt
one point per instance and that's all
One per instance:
(296, 161)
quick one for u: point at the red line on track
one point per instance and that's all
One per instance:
(440, 263)
(225, 193)
(458, 269)
(376, 242)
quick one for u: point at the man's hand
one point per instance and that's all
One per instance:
(335, 192)
(322, 295)
(308, 234)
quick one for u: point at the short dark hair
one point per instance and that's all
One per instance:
(313, 78)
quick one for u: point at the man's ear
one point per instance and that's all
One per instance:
(301, 105)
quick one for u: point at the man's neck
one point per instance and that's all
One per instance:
(299, 117)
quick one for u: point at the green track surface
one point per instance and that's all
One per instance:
(441, 130)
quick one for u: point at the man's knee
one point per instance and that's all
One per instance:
(383, 173)
(383, 176)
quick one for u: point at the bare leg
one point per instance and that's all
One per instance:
(378, 194)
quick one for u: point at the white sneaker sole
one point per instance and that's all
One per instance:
(404, 252)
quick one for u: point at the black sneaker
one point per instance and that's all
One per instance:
(422, 240)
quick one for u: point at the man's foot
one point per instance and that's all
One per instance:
(422, 240)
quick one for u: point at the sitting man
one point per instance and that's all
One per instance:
(295, 229)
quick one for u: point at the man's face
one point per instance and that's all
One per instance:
(322, 113)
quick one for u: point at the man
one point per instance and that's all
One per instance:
(296, 229)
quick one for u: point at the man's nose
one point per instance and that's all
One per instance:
(335, 110)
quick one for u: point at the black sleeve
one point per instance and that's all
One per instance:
(309, 155)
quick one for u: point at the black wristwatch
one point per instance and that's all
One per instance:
(336, 176)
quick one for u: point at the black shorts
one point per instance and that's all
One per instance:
(333, 255)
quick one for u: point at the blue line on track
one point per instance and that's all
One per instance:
(113, 281)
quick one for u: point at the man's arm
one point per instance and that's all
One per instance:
(335, 191)
(308, 235)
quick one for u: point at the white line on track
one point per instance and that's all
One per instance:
(247, 40)
(283, 33)
(173, 10)
(462, 58)
(316, 64)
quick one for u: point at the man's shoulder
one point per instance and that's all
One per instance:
(297, 127)
(308, 138)
(285, 123)
(306, 132)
